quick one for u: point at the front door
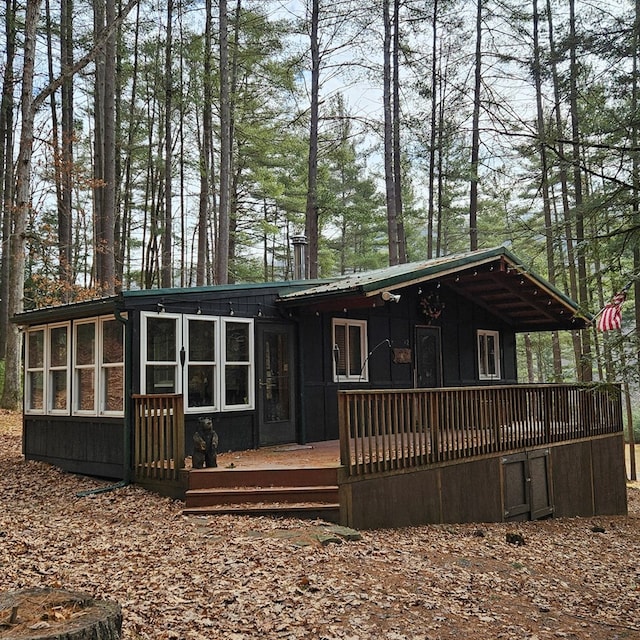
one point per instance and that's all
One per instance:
(428, 360)
(276, 408)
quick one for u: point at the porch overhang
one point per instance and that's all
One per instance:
(492, 278)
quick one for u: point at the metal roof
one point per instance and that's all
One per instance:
(493, 278)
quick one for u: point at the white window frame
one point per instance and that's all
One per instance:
(347, 323)
(102, 366)
(182, 340)
(84, 367)
(29, 370)
(50, 369)
(215, 320)
(485, 357)
(144, 361)
(249, 364)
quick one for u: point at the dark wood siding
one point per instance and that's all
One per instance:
(78, 445)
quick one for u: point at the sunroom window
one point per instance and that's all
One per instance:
(488, 355)
(349, 350)
(160, 355)
(85, 400)
(238, 364)
(35, 371)
(201, 361)
(111, 366)
(58, 382)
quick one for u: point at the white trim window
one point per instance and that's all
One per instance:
(35, 366)
(85, 383)
(111, 359)
(349, 343)
(237, 381)
(209, 359)
(488, 355)
(160, 349)
(201, 362)
(58, 367)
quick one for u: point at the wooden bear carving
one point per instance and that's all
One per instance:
(205, 445)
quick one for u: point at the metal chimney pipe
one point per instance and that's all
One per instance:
(299, 257)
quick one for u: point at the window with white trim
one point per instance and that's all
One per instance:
(34, 398)
(84, 365)
(349, 350)
(111, 373)
(58, 369)
(160, 352)
(209, 359)
(488, 355)
(201, 365)
(237, 381)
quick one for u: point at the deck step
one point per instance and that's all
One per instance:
(262, 477)
(329, 512)
(225, 496)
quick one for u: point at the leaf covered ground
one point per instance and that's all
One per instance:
(243, 578)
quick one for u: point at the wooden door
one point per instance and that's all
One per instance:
(527, 485)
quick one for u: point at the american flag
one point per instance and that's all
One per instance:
(611, 314)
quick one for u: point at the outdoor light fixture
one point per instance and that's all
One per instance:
(387, 296)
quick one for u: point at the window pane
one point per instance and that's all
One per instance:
(340, 340)
(58, 389)
(113, 388)
(36, 390)
(85, 343)
(201, 386)
(236, 384)
(86, 389)
(36, 349)
(482, 350)
(355, 351)
(161, 339)
(59, 347)
(491, 355)
(202, 341)
(237, 342)
(112, 342)
(161, 379)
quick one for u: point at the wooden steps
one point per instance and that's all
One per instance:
(299, 492)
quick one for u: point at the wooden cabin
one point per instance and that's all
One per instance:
(268, 361)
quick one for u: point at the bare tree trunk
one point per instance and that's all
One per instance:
(475, 135)
(584, 365)
(167, 227)
(207, 145)
(6, 163)
(392, 218)
(311, 217)
(11, 391)
(397, 152)
(433, 131)
(65, 237)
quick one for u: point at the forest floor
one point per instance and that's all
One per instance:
(243, 578)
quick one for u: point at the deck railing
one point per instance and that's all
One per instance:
(159, 448)
(396, 429)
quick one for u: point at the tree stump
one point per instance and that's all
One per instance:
(56, 614)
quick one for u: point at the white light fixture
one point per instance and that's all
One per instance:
(387, 296)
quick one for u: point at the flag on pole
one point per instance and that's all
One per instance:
(611, 314)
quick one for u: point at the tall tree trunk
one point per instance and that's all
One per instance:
(475, 134)
(392, 218)
(222, 246)
(544, 169)
(584, 365)
(65, 224)
(167, 226)
(6, 162)
(397, 152)
(432, 131)
(11, 391)
(206, 148)
(311, 216)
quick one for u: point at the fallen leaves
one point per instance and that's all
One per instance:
(243, 578)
